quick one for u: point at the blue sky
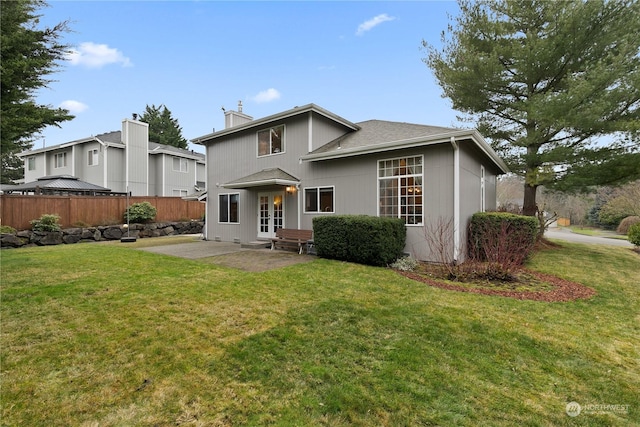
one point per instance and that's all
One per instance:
(360, 60)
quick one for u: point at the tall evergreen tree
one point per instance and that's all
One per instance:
(29, 55)
(163, 128)
(545, 81)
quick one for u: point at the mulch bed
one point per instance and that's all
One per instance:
(563, 290)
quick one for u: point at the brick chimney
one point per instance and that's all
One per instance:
(236, 118)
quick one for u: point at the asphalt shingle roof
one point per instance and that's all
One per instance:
(374, 132)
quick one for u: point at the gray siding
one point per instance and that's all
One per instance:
(94, 173)
(39, 171)
(354, 179)
(115, 169)
(135, 136)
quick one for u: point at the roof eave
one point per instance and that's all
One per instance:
(411, 143)
(260, 183)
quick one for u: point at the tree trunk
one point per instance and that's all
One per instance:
(529, 206)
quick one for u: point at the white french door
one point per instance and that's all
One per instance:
(270, 213)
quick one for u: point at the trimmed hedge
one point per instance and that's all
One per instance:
(359, 238)
(634, 234)
(502, 237)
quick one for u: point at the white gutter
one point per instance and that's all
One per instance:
(456, 199)
(261, 183)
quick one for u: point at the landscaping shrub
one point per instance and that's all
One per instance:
(406, 263)
(140, 212)
(504, 241)
(47, 222)
(634, 234)
(626, 223)
(6, 229)
(359, 238)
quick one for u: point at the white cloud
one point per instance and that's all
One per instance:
(373, 22)
(74, 107)
(268, 95)
(92, 55)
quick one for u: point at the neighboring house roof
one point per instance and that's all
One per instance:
(57, 183)
(114, 139)
(375, 136)
(272, 176)
(155, 148)
(279, 116)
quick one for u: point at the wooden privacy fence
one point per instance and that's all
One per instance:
(17, 211)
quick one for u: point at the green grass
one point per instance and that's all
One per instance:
(101, 334)
(599, 232)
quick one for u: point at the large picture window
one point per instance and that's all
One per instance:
(318, 199)
(400, 189)
(271, 141)
(228, 205)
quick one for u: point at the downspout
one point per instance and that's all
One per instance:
(299, 201)
(125, 137)
(164, 174)
(73, 160)
(456, 199)
(310, 136)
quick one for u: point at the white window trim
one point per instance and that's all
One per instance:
(180, 163)
(182, 192)
(31, 161)
(228, 209)
(55, 160)
(93, 157)
(378, 179)
(333, 196)
(284, 145)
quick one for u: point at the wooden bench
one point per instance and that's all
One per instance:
(289, 237)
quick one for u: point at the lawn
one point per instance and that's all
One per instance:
(97, 334)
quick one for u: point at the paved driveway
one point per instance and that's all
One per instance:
(567, 235)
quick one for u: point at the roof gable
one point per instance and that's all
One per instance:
(277, 117)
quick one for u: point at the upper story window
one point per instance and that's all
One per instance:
(180, 165)
(31, 163)
(271, 141)
(92, 157)
(400, 189)
(319, 199)
(61, 160)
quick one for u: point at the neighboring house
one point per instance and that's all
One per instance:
(285, 169)
(122, 161)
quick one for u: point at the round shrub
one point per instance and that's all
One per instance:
(47, 222)
(634, 234)
(626, 223)
(140, 212)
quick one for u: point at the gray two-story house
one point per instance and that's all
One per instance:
(285, 169)
(122, 161)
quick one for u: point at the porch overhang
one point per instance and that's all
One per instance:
(264, 178)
